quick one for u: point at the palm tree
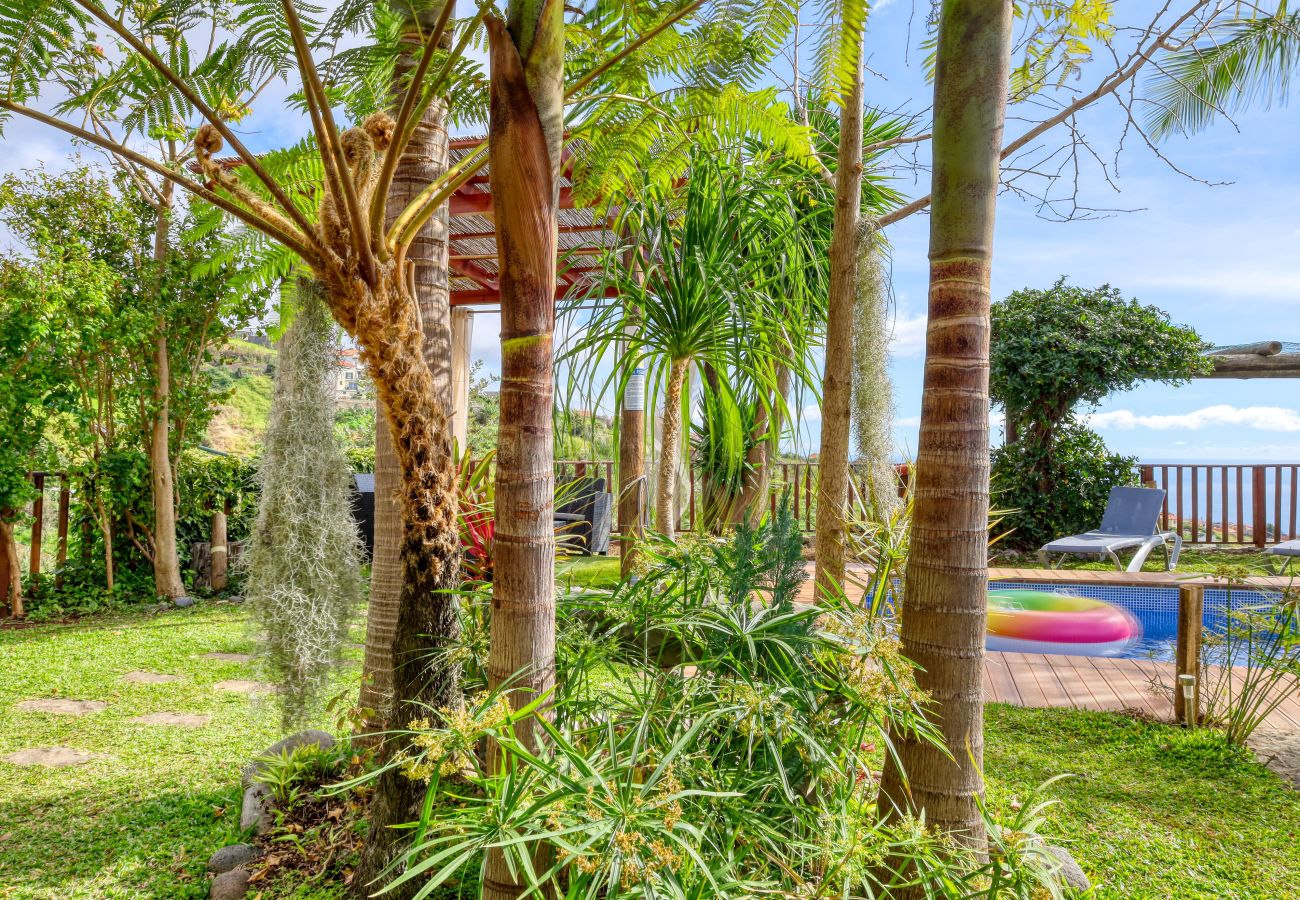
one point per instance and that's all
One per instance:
(945, 595)
(1239, 62)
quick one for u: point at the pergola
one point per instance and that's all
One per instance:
(1262, 359)
(472, 261)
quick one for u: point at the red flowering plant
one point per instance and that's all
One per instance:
(475, 492)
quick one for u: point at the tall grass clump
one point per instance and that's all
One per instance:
(303, 559)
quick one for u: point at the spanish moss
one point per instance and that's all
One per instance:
(873, 392)
(303, 560)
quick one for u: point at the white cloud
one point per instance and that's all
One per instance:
(1259, 418)
(908, 338)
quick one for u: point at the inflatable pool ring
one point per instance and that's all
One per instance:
(1039, 622)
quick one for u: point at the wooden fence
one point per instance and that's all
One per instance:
(41, 481)
(1243, 504)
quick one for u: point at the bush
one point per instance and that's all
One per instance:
(1080, 472)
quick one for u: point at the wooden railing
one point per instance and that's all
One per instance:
(1218, 503)
(39, 481)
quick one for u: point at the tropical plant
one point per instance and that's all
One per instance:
(944, 613)
(751, 773)
(477, 515)
(1250, 663)
(1233, 64)
(697, 299)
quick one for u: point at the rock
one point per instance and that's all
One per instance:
(1071, 874)
(50, 757)
(185, 720)
(142, 677)
(235, 598)
(63, 707)
(228, 858)
(254, 812)
(232, 885)
(322, 739)
(182, 602)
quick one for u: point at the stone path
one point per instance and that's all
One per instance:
(1278, 749)
(228, 657)
(63, 707)
(51, 757)
(244, 686)
(141, 677)
(184, 720)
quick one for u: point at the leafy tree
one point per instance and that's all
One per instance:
(1056, 349)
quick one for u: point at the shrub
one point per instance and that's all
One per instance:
(1056, 490)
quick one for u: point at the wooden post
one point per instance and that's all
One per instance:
(1259, 506)
(220, 548)
(1147, 475)
(5, 597)
(38, 516)
(65, 497)
(1187, 653)
(462, 333)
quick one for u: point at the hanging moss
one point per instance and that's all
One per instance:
(303, 562)
(873, 392)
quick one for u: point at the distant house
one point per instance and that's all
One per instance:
(350, 382)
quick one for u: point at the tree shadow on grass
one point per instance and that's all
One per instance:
(86, 845)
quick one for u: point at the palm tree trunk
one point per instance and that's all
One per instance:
(837, 377)
(766, 443)
(166, 562)
(526, 116)
(423, 160)
(670, 432)
(945, 599)
(414, 615)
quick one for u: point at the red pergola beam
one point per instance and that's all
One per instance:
(492, 298)
(479, 203)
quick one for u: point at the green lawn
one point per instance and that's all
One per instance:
(1191, 560)
(1155, 812)
(141, 820)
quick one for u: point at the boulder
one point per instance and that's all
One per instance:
(232, 885)
(1071, 874)
(183, 602)
(231, 857)
(254, 811)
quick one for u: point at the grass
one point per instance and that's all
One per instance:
(141, 820)
(1154, 811)
(241, 420)
(1191, 560)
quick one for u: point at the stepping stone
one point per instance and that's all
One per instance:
(149, 678)
(50, 757)
(184, 720)
(241, 686)
(228, 657)
(63, 707)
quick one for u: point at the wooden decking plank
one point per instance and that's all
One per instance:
(1022, 669)
(1044, 673)
(1104, 697)
(999, 684)
(1131, 694)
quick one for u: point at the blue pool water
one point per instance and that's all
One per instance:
(1155, 608)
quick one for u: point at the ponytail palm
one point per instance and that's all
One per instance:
(702, 303)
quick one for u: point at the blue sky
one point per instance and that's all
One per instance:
(1220, 258)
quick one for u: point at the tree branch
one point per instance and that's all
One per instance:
(250, 160)
(252, 219)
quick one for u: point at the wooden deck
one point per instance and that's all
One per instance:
(1084, 682)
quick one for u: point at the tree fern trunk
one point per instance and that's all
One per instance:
(670, 440)
(837, 377)
(385, 581)
(525, 127)
(943, 621)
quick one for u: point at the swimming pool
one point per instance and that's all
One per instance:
(1155, 608)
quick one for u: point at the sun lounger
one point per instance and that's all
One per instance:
(1129, 523)
(1288, 550)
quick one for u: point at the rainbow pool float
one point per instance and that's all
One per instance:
(1040, 622)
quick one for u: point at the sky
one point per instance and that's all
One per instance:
(1216, 250)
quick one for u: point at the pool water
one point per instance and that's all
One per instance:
(1155, 608)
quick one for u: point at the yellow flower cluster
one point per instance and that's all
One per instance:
(450, 749)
